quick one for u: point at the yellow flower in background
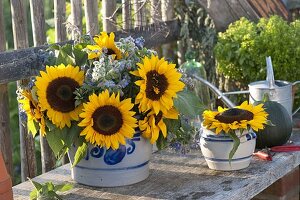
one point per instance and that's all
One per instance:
(107, 120)
(152, 125)
(104, 44)
(55, 91)
(158, 85)
(34, 114)
(241, 117)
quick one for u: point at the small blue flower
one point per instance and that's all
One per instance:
(109, 84)
(31, 82)
(139, 42)
(23, 116)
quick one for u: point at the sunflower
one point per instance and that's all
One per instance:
(159, 85)
(241, 117)
(104, 44)
(153, 124)
(107, 120)
(34, 114)
(55, 91)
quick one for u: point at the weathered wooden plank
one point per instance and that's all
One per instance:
(126, 14)
(91, 15)
(60, 20)
(39, 38)
(24, 63)
(76, 12)
(19, 22)
(5, 137)
(227, 11)
(109, 17)
(267, 8)
(177, 176)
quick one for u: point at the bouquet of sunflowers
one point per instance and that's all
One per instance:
(100, 91)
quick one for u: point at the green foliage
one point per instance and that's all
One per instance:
(242, 49)
(47, 191)
(60, 140)
(236, 144)
(80, 153)
(188, 104)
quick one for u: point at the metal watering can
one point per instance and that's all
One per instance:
(277, 90)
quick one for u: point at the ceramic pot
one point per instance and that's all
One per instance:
(109, 168)
(5, 182)
(216, 148)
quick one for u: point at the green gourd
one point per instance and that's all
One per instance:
(278, 134)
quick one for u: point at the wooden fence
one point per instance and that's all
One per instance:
(136, 16)
(24, 62)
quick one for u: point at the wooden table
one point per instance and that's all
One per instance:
(176, 176)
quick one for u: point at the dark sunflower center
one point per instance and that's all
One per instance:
(156, 85)
(110, 52)
(60, 94)
(107, 120)
(234, 114)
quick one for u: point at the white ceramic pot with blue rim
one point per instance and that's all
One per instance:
(103, 167)
(216, 149)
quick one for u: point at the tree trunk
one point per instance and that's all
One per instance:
(109, 18)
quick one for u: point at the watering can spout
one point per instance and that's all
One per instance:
(215, 90)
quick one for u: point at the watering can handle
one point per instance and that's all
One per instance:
(295, 83)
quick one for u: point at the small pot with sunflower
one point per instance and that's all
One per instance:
(227, 140)
(105, 103)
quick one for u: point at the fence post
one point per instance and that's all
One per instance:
(139, 12)
(19, 24)
(76, 13)
(108, 18)
(91, 15)
(167, 11)
(5, 137)
(60, 20)
(155, 16)
(39, 38)
(126, 14)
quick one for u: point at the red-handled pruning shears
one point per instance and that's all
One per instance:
(285, 148)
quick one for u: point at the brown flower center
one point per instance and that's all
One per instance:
(110, 52)
(156, 85)
(107, 120)
(234, 114)
(60, 94)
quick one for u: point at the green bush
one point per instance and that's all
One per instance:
(242, 49)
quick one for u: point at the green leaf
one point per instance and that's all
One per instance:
(188, 104)
(33, 194)
(50, 186)
(80, 56)
(53, 195)
(71, 134)
(37, 185)
(80, 153)
(55, 141)
(236, 144)
(172, 125)
(161, 142)
(63, 187)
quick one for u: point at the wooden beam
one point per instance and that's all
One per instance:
(60, 20)
(20, 64)
(91, 15)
